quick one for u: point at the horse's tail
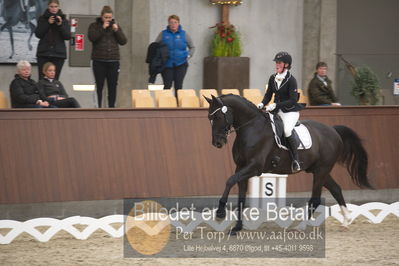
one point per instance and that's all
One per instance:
(354, 156)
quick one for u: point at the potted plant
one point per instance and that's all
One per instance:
(366, 87)
(225, 68)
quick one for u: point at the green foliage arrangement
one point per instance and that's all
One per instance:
(226, 41)
(366, 87)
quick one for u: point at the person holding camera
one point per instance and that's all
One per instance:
(106, 35)
(53, 30)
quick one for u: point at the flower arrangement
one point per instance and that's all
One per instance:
(226, 41)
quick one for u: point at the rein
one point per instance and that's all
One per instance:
(235, 129)
(228, 130)
(243, 125)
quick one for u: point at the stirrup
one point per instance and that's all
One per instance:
(296, 166)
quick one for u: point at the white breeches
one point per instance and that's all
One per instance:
(289, 121)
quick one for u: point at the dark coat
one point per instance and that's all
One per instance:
(105, 41)
(157, 56)
(52, 37)
(286, 97)
(320, 94)
(54, 87)
(25, 92)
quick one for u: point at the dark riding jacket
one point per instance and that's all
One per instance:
(25, 92)
(105, 41)
(286, 97)
(52, 36)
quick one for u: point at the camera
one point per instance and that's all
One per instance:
(112, 22)
(56, 19)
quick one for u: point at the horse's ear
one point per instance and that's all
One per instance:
(217, 99)
(207, 99)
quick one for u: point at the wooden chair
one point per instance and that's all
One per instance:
(144, 96)
(3, 100)
(208, 93)
(184, 93)
(232, 91)
(167, 101)
(189, 101)
(302, 97)
(162, 93)
(143, 101)
(253, 95)
(251, 92)
(255, 99)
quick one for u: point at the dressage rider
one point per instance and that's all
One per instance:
(284, 87)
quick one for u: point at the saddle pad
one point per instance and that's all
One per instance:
(301, 130)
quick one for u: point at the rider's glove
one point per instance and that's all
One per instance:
(270, 107)
(260, 105)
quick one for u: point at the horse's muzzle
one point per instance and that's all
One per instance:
(219, 143)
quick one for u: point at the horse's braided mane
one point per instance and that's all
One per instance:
(241, 99)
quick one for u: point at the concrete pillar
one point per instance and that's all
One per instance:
(328, 38)
(311, 40)
(319, 38)
(134, 17)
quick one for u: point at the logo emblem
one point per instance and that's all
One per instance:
(148, 227)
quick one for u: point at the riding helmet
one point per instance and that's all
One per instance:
(283, 57)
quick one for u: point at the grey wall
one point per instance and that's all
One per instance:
(368, 37)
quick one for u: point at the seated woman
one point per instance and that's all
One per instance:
(53, 90)
(24, 91)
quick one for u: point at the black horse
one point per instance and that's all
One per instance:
(254, 152)
(15, 11)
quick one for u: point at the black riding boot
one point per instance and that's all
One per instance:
(293, 147)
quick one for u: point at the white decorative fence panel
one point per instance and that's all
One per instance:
(93, 224)
(55, 225)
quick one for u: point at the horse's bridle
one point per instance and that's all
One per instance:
(224, 109)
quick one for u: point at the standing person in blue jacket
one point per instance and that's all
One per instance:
(53, 30)
(181, 48)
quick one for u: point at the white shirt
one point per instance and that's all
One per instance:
(279, 78)
(322, 79)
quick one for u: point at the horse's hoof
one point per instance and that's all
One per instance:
(234, 231)
(221, 214)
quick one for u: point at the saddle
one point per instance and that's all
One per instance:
(300, 132)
